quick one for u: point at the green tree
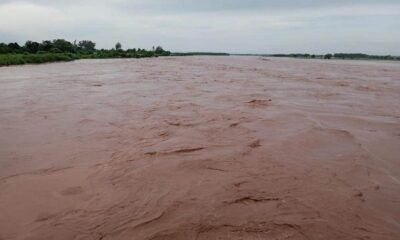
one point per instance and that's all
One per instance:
(159, 50)
(32, 47)
(46, 46)
(63, 45)
(87, 45)
(328, 56)
(14, 47)
(55, 50)
(4, 48)
(118, 46)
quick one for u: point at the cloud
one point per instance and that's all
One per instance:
(29, 19)
(190, 6)
(207, 25)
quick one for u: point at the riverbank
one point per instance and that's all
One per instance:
(20, 59)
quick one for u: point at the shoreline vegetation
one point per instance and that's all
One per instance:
(60, 50)
(342, 56)
(199, 54)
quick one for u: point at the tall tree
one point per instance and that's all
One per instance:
(159, 50)
(87, 45)
(32, 47)
(46, 46)
(14, 47)
(63, 45)
(118, 46)
(4, 48)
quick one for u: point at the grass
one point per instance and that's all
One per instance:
(47, 57)
(18, 59)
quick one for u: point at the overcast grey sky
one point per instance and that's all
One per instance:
(235, 26)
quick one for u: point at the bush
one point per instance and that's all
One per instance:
(55, 50)
(62, 50)
(15, 59)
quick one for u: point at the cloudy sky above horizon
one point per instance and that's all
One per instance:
(235, 26)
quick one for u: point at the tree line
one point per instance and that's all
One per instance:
(352, 56)
(63, 50)
(64, 46)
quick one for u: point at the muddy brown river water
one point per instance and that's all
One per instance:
(182, 148)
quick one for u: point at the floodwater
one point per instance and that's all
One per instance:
(182, 148)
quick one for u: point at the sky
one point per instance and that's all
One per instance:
(234, 26)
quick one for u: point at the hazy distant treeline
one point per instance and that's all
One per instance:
(360, 56)
(199, 54)
(63, 50)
